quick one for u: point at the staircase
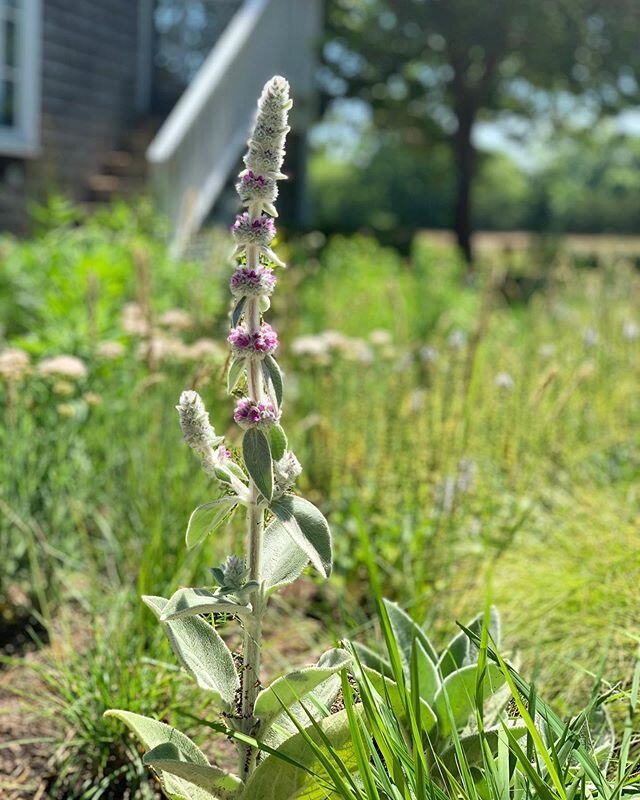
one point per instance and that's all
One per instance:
(124, 171)
(199, 145)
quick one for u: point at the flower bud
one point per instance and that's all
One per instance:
(259, 232)
(197, 431)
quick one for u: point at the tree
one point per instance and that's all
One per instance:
(433, 68)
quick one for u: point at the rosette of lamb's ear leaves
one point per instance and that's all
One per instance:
(446, 688)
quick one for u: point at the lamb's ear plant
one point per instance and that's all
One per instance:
(284, 532)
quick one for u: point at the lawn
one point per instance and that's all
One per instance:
(478, 435)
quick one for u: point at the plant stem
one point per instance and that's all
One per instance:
(250, 677)
(253, 633)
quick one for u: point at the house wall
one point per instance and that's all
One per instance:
(88, 98)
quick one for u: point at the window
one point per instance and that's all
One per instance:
(19, 77)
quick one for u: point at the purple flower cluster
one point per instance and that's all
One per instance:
(254, 187)
(258, 344)
(247, 282)
(259, 231)
(250, 414)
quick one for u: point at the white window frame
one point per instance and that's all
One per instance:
(23, 138)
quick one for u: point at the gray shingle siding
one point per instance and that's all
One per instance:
(87, 98)
(88, 84)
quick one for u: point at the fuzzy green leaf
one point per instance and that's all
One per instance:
(291, 688)
(428, 679)
(200, 651)
(207, 518)
(460, 651)
(153, 734)
(474, 744)
(282, 559)
(191, 602)
(389, 692)
(238, 310)
(276, 779)
(257, 459)
(167, 758)
(456, 698)
(264, 303)
(278, 441)
(308, 528)
(274, 377)
(371, 659)
(406, 631)
(235, 373)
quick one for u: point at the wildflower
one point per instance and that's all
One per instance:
(197, 431)
(161, 347)
(177, 319)
(259, 344)
(214, 459)
(630, 331)
(133, 320)
(260, 231)
(504, 381)
(92, 399)
(110, 350)
(251, 414)
(63, 366)
(380, 337)
(205, 349)
(14, 362)
(247, 282)
(63, 388)
(255, 188)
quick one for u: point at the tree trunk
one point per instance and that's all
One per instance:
(464, 154)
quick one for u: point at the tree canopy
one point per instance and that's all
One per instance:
(433, 68)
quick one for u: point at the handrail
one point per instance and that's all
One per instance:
(201, 141)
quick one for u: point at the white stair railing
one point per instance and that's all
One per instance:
(199, 144)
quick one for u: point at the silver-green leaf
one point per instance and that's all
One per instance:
(256, 452)
(282, 559)
(289, 689)
(238, 310)
(274, 378)
(201, 652)
(166, 757)
(153, 734)
(207, 518)
(406, 631)
(278, 441)
(456, 698)
(308, 528)
(235, 373)
(191, 602)
(277, 779)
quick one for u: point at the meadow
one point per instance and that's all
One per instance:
(477, 433)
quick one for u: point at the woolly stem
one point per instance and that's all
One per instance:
(255, 526)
